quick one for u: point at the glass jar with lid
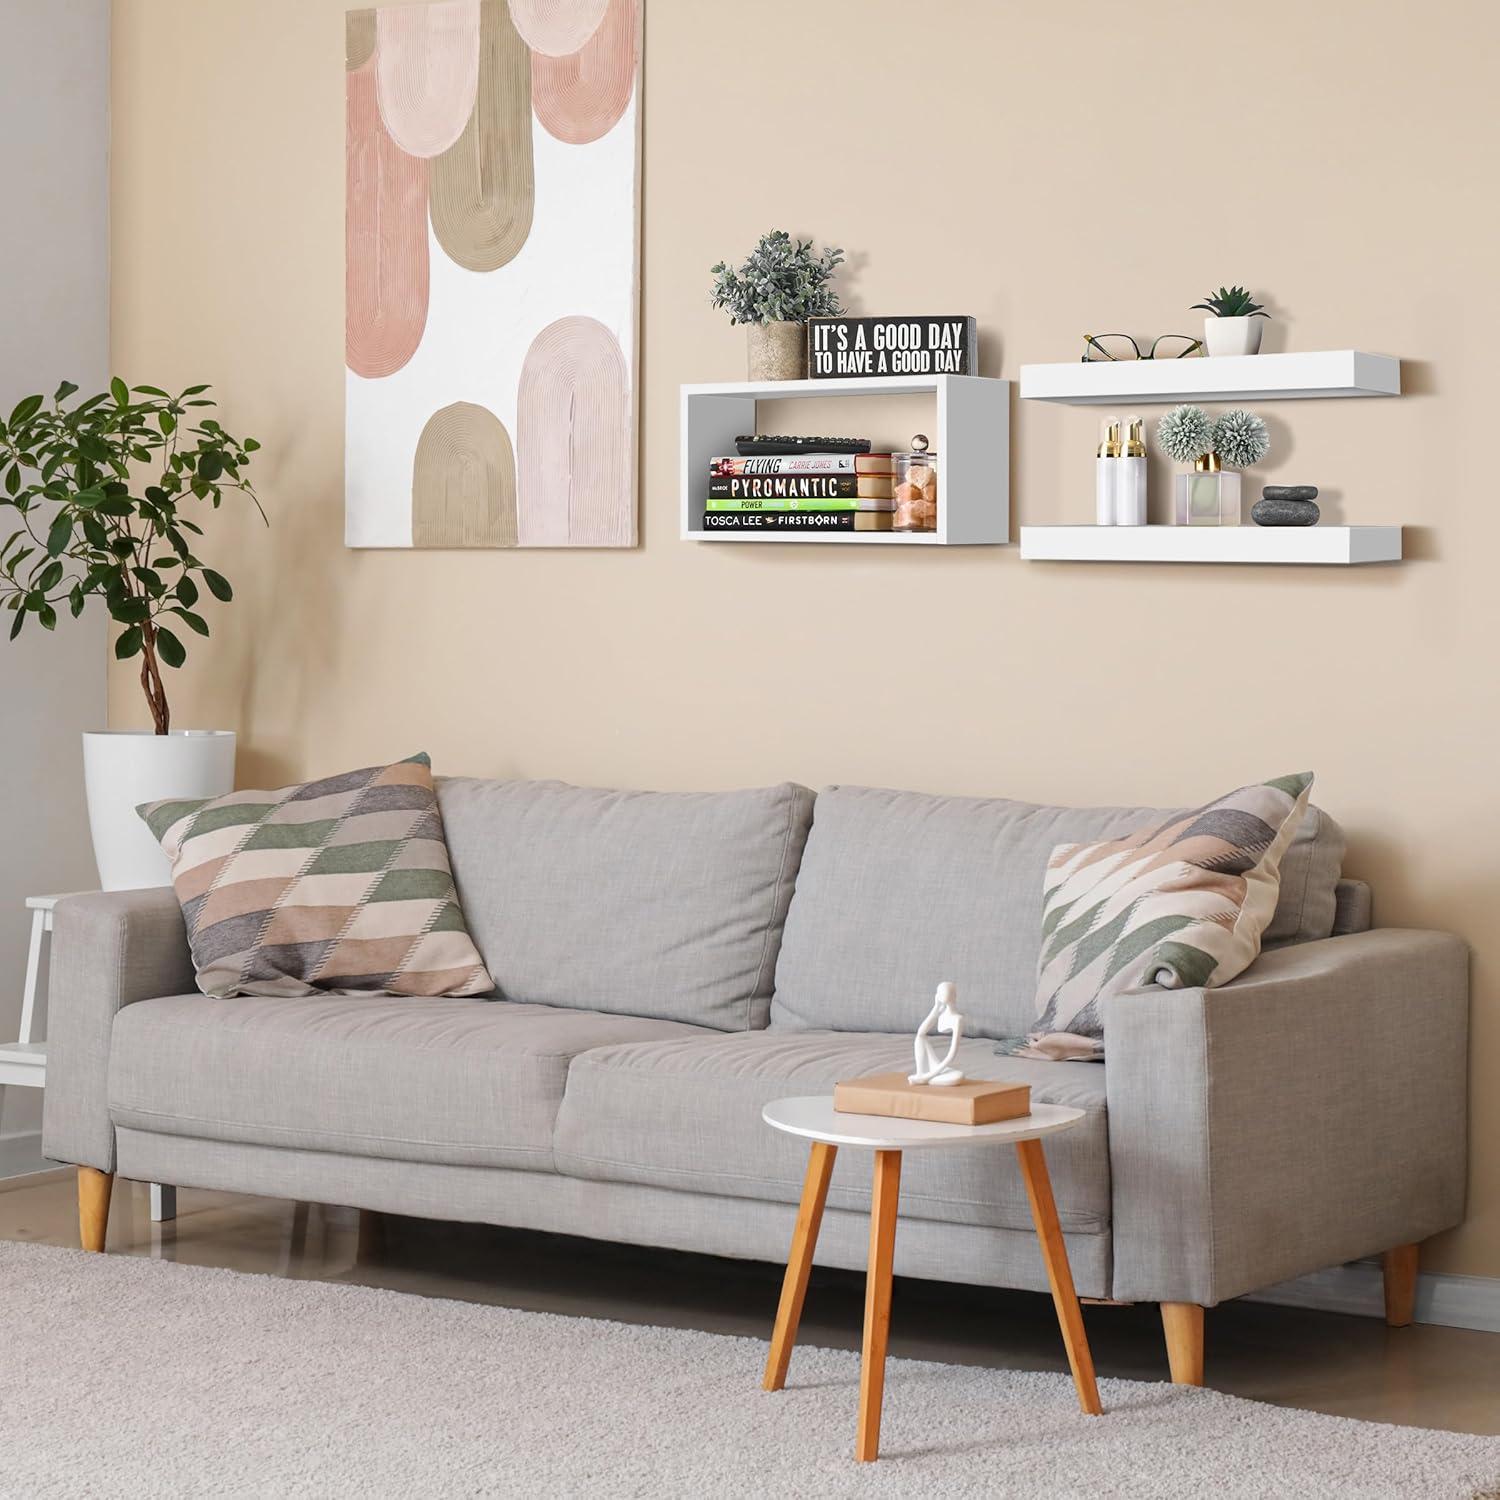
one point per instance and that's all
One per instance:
(916, 488)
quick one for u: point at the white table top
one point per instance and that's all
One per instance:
(815, 1118)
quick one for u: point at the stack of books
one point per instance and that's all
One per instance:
(800, 492)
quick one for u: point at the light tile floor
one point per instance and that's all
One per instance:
(1424, 1376)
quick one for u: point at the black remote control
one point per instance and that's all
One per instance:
(762, 445)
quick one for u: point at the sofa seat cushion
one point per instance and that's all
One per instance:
(685, 1113)
(462, 1082)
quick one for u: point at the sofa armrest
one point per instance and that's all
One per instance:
(1310, 1113)
(108, 950)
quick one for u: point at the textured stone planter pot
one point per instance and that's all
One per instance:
(123, 768)
(1232, 335)
(777, 351)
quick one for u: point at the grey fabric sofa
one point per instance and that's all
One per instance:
(668, 963)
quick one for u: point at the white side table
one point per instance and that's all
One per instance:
(23, 1062)
(816, 1119)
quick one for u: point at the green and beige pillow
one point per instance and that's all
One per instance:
(334, 886)
(1180, 905)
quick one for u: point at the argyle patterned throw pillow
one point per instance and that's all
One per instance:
(1181, 905)
(334, 886)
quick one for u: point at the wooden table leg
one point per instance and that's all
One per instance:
(877, 1302)
(1059, 1273)
(799, 1262)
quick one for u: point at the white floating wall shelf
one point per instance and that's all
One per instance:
(1212, 544)
(970, 435)
(1240, 377)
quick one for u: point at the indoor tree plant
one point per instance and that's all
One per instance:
(781, 284)
(1230, 327)
(104, 491)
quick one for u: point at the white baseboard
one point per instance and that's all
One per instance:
(21, 1152)
(1455, 1301)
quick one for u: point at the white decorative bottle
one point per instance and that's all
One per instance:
(1106, 464)
(1130, 477)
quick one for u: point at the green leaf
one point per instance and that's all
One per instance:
(210, 465)
(167, 422)
(50, 576)
(193, 622)
(218, 585)
(173, 652)
(25, 409)
(17, 623)
(48, 616)
(128, 643)
(75, 600)
(63, 391)
(187, 590)
(131, 610)
(59, 534)
(152, 390)
(250, 445)
(120, 391)
(93, 530)
(197, 390)
(13, 479)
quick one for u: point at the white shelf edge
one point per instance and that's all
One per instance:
(1346, 546)
(1306, 375)
(848, 385)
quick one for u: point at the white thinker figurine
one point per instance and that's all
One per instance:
(944, 1017)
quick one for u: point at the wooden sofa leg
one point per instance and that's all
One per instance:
(1400, 1267)
(93, 1206)
(1182, 1322)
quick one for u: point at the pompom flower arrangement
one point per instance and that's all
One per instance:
(1208, 496)
(1238, 439)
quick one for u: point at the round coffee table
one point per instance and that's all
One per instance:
(828, 1129)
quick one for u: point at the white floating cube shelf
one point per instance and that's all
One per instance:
(971, 437)
(1239, 377)
(1212, 544)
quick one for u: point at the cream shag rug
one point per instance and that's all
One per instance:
(125, 1377)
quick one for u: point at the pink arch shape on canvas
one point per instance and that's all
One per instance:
(580, 97)
(427, 70)
(557, 27)
(575, 448)
(385, 238)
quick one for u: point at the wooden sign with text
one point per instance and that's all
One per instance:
(838, 348)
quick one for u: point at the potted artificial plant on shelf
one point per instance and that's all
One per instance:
(1230, 327)
(105, 491)
(781, 284)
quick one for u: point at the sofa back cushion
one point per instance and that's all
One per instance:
(661, 904)
(899, 890)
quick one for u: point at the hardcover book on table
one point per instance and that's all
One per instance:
(976, 1101)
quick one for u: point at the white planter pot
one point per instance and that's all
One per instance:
(125, 767)
(1232, 335)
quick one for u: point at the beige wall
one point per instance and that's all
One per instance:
(1049, 168)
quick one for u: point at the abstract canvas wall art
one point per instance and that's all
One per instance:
(491, 234)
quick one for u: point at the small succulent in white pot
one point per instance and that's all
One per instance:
(1230, 327)
(781, 284)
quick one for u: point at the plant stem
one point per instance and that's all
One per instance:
(151, 683)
